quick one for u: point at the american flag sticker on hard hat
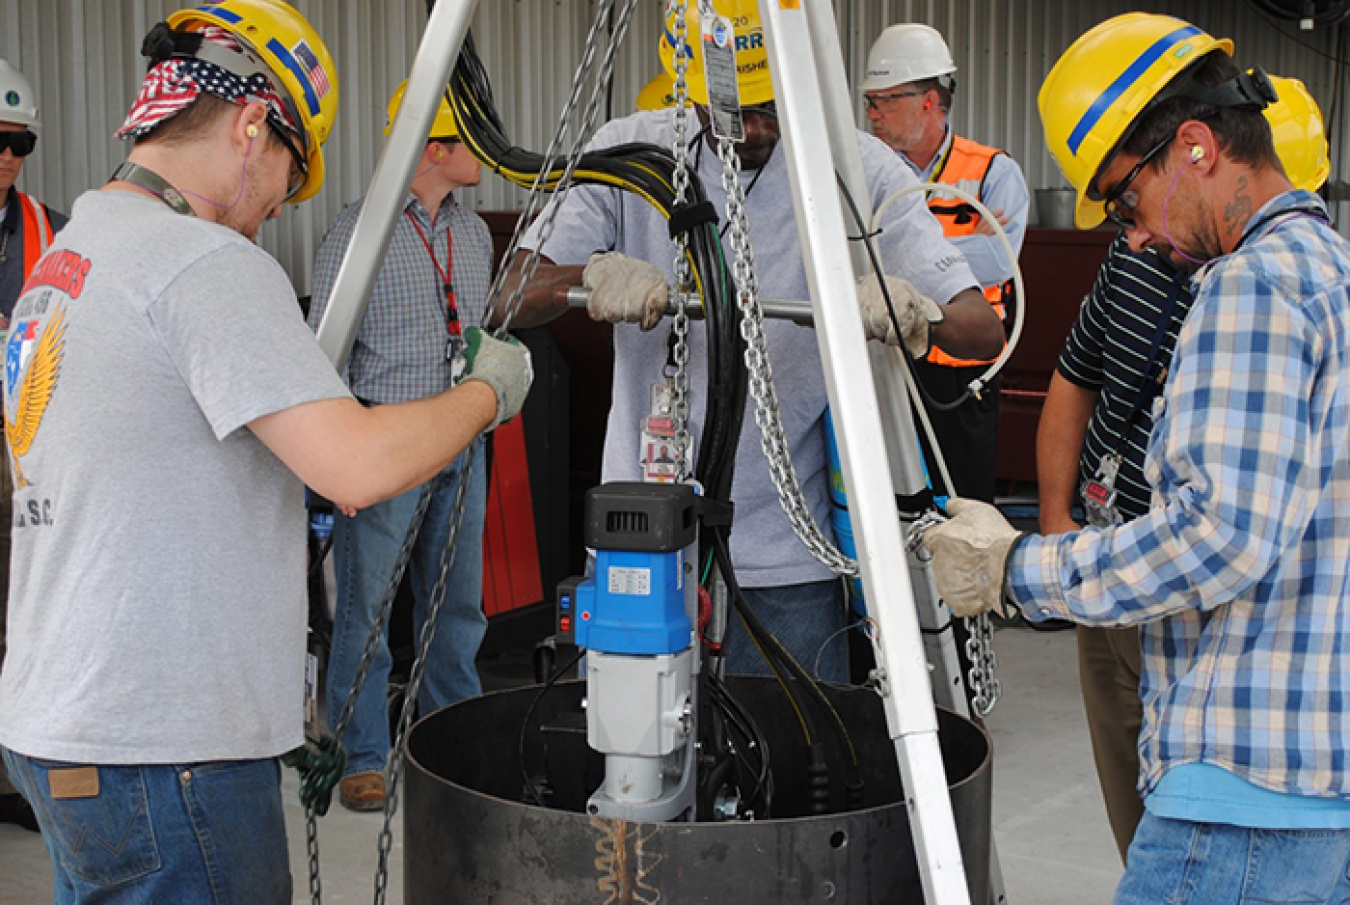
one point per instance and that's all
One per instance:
(317, 77)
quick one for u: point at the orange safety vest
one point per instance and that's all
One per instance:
(37, 231)
(966, 167)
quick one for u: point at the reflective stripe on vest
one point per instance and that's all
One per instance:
(36, 226)
(966, 167)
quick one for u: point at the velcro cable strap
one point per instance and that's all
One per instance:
(915, 504)
(687, 216)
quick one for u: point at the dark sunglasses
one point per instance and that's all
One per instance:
(1120, 202)
(301, 169)
(20, 143)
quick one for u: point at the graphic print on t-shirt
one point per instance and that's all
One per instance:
(32, 368)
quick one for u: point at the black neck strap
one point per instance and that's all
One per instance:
(155, 184)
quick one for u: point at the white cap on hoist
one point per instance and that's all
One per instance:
(908, 52)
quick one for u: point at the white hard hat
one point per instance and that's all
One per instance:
(18, 103)
(908, 52)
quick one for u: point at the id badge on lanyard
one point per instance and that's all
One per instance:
(1099, 494)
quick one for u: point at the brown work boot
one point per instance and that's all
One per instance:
(362, 792)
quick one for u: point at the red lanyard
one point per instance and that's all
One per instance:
(452, 325)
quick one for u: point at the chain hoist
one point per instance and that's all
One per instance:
(767, 416)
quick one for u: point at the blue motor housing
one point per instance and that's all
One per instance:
(635, 601)
(634, 604)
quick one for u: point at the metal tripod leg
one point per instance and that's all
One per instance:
(807, 68)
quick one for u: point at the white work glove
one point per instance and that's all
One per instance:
(625, 290)
(970, 556)
(504, 365)
(917, 313)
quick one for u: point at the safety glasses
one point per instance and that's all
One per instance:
(299, 168)
(21, 144)
(875, 101)
(1120, 203)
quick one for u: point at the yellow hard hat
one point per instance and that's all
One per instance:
(442, 127)
(1102, 83)
(752, 58)
(297, 57)
(658, 94)
(1300, 137)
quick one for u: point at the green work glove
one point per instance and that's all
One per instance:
(970, 555)
(504, 365)
(320, 764)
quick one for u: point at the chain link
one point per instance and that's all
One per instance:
(985, 688)
(982, 677)
(772, 438)
(680, 268)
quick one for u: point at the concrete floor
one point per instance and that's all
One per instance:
(1049, 825)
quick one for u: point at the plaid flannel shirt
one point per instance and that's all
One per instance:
(1237, 575)
(399, 353)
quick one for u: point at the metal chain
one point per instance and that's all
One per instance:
(579, 140)
(395, 766)
(362, 670)
(681, 269)
(985, 688)
(772, 438)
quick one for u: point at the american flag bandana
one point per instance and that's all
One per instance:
(170, 86)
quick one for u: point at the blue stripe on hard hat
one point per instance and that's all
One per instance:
(1127, 78)
(225, 14)
(300, 72)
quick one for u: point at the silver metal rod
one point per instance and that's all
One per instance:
(436, 55)
(798, 312)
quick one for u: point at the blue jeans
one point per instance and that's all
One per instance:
(1177, 862)
(185, 833)
(807, 618)
(365, 549)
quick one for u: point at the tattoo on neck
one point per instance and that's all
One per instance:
(1237, 212)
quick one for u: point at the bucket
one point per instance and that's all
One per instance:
(1055, 207)
(469, 836)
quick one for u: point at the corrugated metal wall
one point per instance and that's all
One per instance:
(82, 57)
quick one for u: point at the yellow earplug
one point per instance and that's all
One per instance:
(251, 131)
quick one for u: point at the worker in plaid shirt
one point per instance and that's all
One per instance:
(1239, 573)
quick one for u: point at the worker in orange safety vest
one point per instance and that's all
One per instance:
(908, 89)
(26, 229)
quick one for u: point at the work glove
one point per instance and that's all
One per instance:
(917, 313)
(970, 556)
(320, 764)
(504, 365)
(625, 290)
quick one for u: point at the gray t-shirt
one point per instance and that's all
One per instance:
(593, 218)
(157, 593)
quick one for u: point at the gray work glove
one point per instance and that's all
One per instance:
(504, 365)
(917, 313)
(970, 556)
(625, 290)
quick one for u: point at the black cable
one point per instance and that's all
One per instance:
(807, 692)
(530, 787)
